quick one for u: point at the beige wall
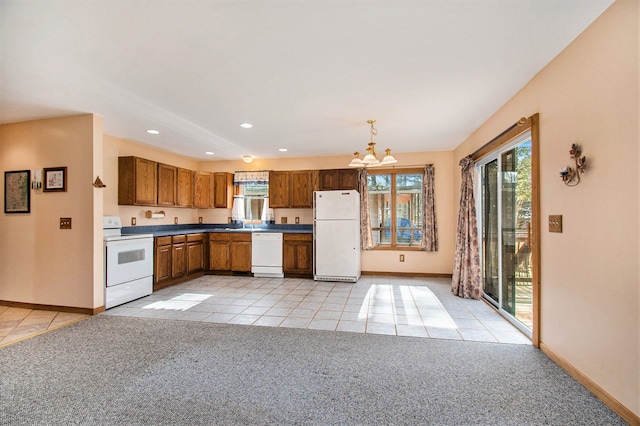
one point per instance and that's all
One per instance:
(440, 262)
(114, 148)
(590, 279)
(40, 263)
(590, 293)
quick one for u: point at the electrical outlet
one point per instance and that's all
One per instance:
(555, 223)
(297, 219)
(199, 219)
(175, 220)
(65, 223)
(229, 219)
(402, 258)
(133, 221)
(283, 220)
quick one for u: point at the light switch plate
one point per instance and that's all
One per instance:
(555, 223)
(199, 219)
(65, 223)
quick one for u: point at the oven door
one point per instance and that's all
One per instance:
(128, 260)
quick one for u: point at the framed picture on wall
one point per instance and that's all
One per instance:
(55, 179)
(17, 195)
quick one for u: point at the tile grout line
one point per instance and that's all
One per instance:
(42, 332)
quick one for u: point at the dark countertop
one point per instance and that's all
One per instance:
(195, 228)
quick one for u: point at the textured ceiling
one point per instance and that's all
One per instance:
(306, 74)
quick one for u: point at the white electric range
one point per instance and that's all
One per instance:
(128, 264)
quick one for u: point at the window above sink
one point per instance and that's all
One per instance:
(251, 202)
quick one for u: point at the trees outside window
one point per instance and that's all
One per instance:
(395, 208)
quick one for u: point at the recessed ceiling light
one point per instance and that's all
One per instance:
(283, 150)
(153, 132)
(246, 125)
(209, 153)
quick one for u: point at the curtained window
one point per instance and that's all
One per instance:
(251, 199)
(398, 202)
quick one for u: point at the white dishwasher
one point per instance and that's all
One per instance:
(266, 254)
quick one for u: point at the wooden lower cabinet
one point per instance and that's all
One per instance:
(180, 257)
(230, 252)
(240, 252)
(219, 256)
(177, 258)
(297, 257)
(162, 260)
(195, 253)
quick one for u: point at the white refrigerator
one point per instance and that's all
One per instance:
(336, 236)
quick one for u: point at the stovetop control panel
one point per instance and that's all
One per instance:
(111, 222)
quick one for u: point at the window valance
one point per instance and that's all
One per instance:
(252, 177)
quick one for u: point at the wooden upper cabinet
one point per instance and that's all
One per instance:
(338, 179)
(202, 189)
(167, 176)
(328, 179)
(279, 189)
(300, 189)
(291, 189)
(223, 190)
(137, 181)
(349, 178)
(184, 188)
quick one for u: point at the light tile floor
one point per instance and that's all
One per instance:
(416, 307)
(19, 323)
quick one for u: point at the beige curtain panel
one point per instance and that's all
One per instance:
(429, 241)
(366, 237)
(466, 280)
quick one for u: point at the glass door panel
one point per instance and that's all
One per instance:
(516, 222)
(489, 200)
(505, 219)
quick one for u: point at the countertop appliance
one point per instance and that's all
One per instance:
(128, 264)
(336, 236)
(266, 254)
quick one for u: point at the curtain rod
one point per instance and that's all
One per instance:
(510, 128)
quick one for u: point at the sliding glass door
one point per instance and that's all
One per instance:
(505, 222)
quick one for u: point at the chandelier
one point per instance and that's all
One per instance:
(371, 159)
